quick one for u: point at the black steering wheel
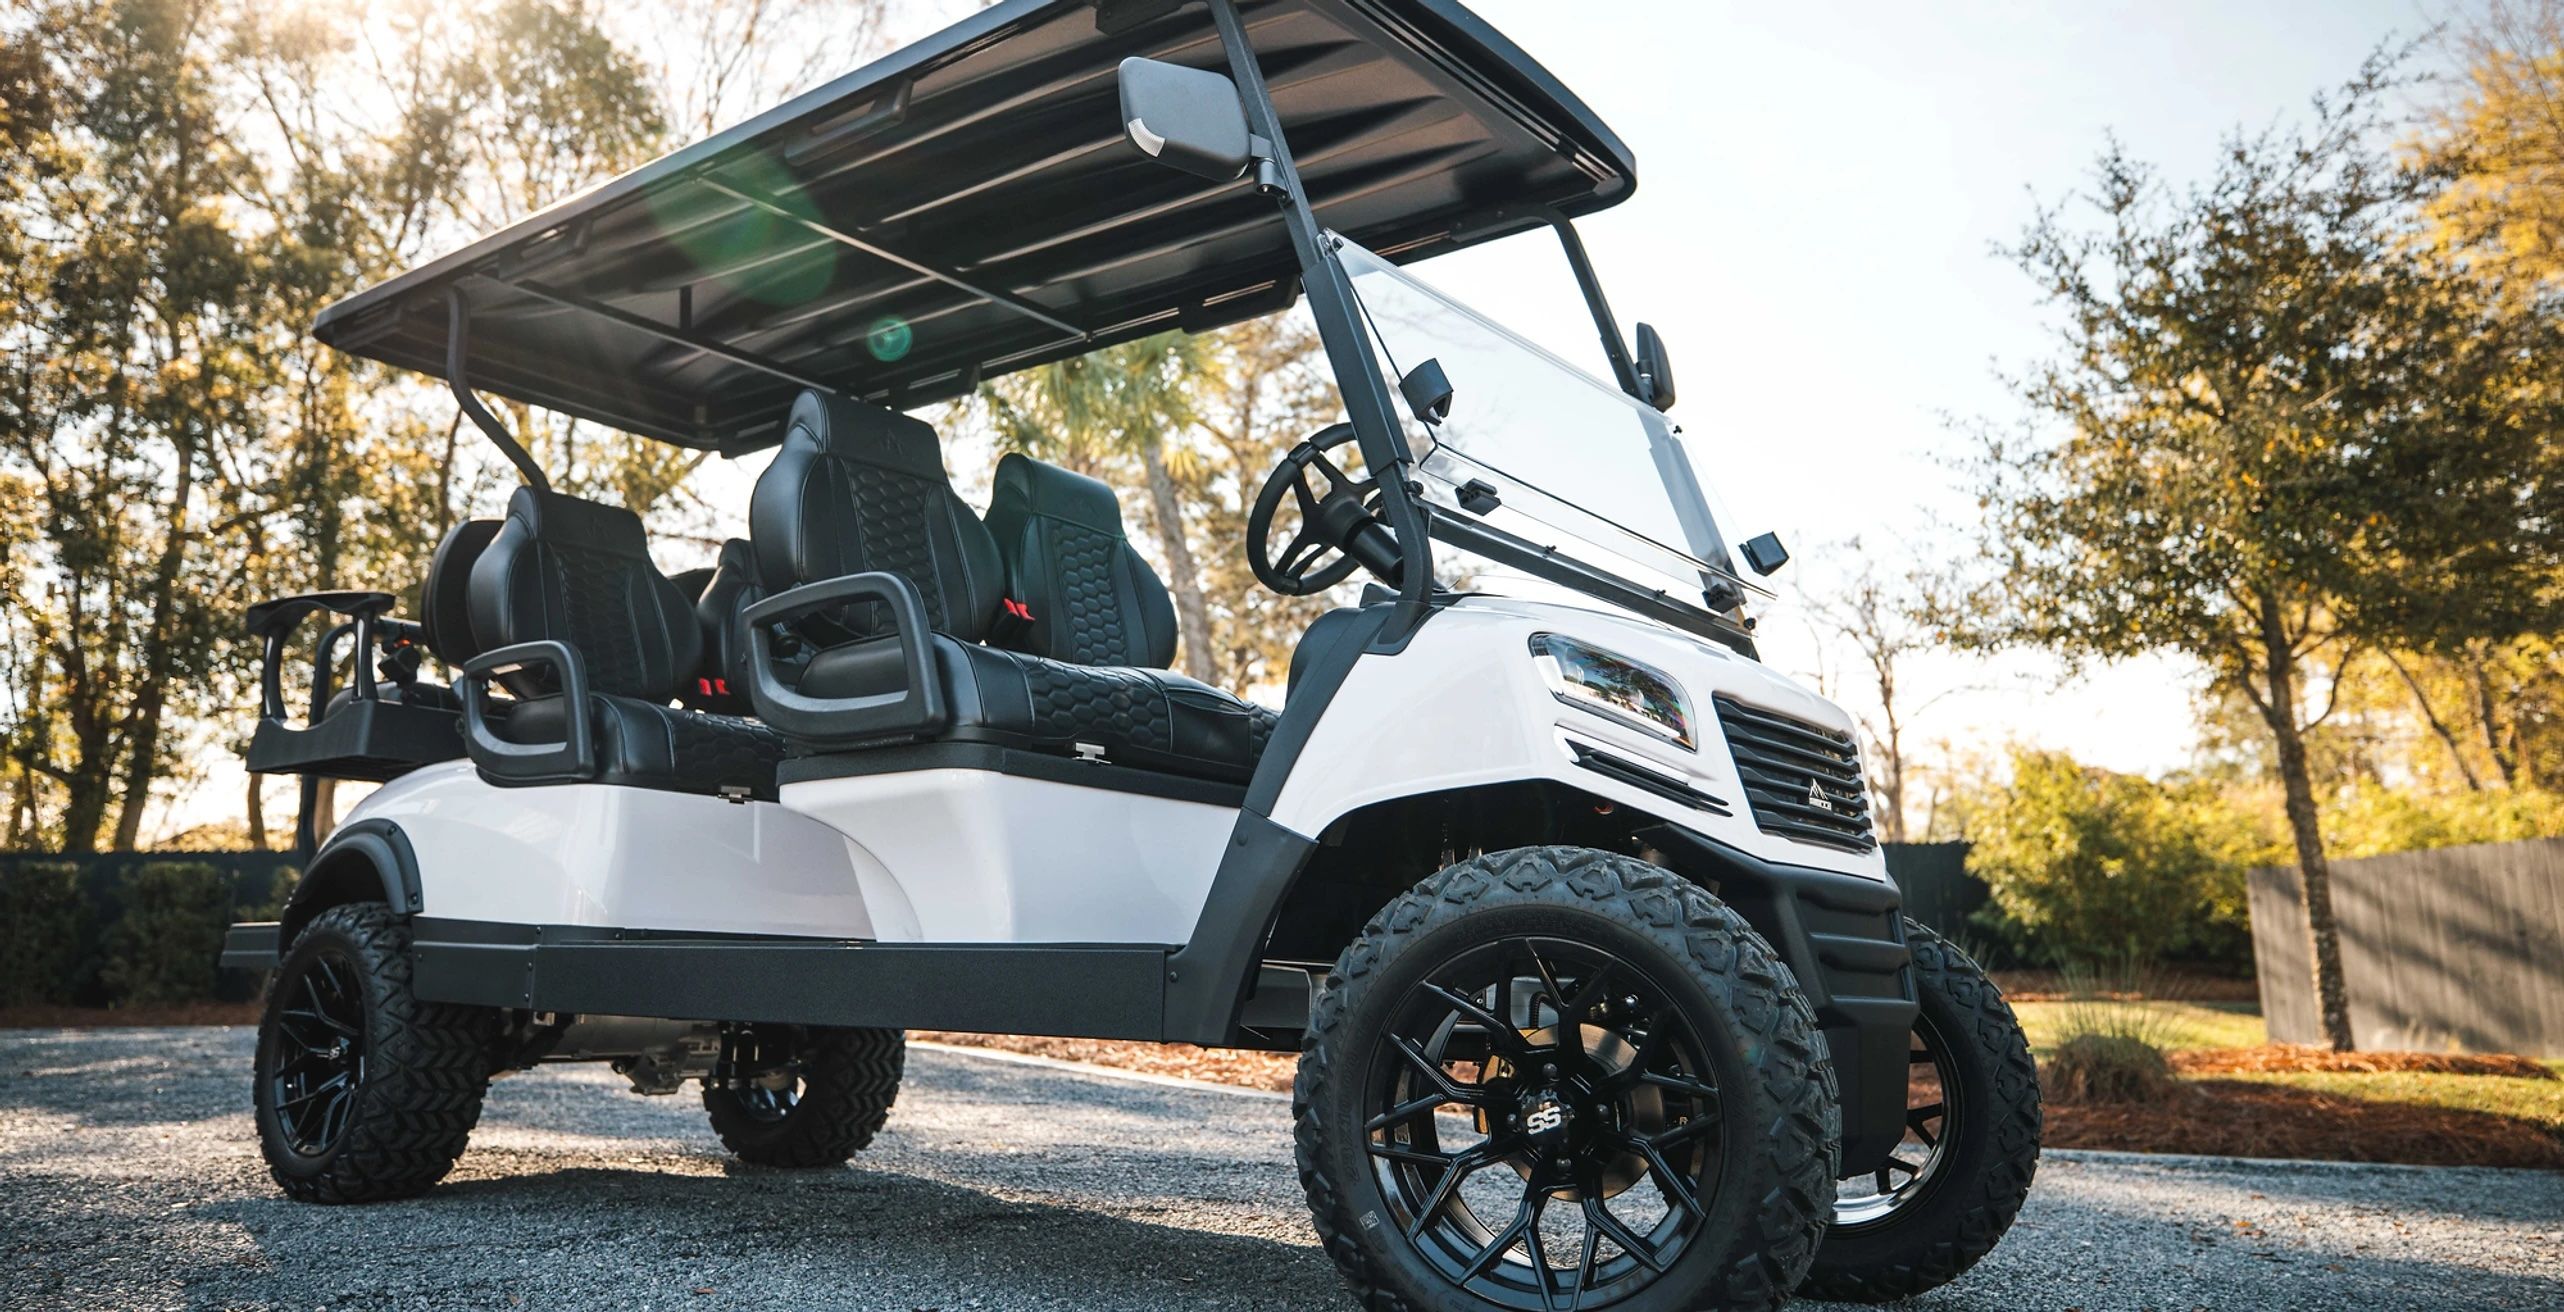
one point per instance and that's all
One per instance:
(1338, 523)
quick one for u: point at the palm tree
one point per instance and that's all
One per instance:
(1121, 404)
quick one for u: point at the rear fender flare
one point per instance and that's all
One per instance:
(364, 861)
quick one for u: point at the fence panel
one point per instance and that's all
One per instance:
(2458, 947)
(1938, 890)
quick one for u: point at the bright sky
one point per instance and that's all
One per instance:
(1820, 189)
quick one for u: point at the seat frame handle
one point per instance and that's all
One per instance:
(572, 760)
(920, 710)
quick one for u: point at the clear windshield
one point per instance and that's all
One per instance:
(1577, 465)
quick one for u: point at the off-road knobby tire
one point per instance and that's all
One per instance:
(427, 1064)
(1993, 1151)
(1776, 1190)
(849, 1079)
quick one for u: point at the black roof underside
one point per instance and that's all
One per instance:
(968, 206)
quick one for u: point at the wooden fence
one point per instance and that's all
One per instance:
(2459, 947)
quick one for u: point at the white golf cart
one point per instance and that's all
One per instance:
(1573, 909)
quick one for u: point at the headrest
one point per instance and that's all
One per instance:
(866, 434)
(1029, 487)
(565, 520)
(445, 601)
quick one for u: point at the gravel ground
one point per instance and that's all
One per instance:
(129, 1180)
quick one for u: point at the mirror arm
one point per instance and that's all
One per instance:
(1623, 368)
(1268, 172)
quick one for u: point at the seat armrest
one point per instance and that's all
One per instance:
(278, 615)
(919, 710)
(274, 620)
(572, 760)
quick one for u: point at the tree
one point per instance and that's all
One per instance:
(1887, 621)
(190, 183)
(1266, 387)
(1128, 403)
(2277, 428)
(2088, 867)
(2501, 139)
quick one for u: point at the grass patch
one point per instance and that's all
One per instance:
(2169, 1025)
(2539, 1101)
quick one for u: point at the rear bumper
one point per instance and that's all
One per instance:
(1843, 937)
(251, 945)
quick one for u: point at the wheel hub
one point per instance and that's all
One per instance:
(1574, 1137)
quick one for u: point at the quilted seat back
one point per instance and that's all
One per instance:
(1094, 600)
(579, 573)
(856, 489)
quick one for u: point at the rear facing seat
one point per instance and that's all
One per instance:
(856, 488)
(579, 573)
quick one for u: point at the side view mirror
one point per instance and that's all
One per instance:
(1655, 371)
(1764, 552)
(1185, 118)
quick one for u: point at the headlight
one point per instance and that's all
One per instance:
(1614, 687)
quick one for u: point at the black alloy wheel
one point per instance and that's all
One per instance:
(1949, 1190)
(1935, 1108)
(1529, 1094)
(769, 1103)
(1564, 1079)
(361, 1090)
(318, 1046)
(807, 1096)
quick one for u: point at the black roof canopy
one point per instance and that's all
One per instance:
(968, 206)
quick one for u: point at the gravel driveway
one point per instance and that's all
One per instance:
(128, 1180)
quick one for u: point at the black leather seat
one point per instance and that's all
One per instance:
(855, 488)
(579, 573)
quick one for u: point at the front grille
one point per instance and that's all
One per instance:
(1788, 768)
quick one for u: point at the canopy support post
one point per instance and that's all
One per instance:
(1339, 317)
(458, 320)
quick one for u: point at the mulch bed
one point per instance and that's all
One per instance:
(2294, 1058)
(2237, 1118)
(1269, 1071)
(2209, 1117)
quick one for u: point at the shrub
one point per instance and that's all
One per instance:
(2372, 821)
(2085, 865)
(163, 947)
(42, 919)
(2107, 1068)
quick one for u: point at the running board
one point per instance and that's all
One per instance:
(1073, 990)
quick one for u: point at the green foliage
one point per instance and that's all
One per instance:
(280, 888)
(2172, 1026)
(42, 918)
(2282, 425)
(188, 185)
(2372, 821)
(163, 946)
(2086, 866)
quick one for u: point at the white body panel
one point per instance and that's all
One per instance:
(973, 856)
(945, 856)
(633, 858)
(1464, 704)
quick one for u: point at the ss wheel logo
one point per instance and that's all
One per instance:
(1544, 1118)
